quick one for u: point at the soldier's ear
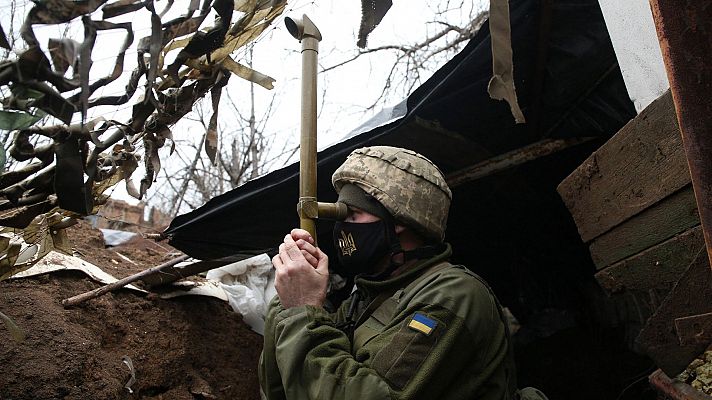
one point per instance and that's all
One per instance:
(400, 229)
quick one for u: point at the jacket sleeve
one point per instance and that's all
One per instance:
(268, 371)
(314, 360)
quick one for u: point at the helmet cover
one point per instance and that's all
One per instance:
(408, 185)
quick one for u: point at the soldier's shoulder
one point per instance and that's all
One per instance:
(465, 276)
(457, 283)
(462, 293)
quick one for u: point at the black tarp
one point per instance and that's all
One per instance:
(581, 93)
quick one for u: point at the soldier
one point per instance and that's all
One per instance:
(415, 327)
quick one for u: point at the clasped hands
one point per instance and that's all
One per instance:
(302, 271)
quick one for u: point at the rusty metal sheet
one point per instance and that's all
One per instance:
(674, 390)
(684, 29)
(690, 296)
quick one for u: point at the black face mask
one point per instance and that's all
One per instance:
(359, 246)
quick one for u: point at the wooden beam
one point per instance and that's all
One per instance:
(639, 166)
(658, 223)
(658, 267)
(695, 329)
(512, 159)
(690, 296)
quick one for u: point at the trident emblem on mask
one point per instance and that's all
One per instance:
(346, 243)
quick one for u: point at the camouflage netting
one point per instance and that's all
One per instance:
(65, 174)
(372, 13)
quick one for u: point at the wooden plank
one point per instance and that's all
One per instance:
(690, 296)
(512, 159)
(658, 267)
(658, 223)
(642, 164)
(695, 329)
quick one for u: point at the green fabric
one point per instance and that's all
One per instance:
(465, 356)
(501, 85)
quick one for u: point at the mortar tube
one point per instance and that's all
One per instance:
(308, 34)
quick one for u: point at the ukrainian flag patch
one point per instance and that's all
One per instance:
(423, 324)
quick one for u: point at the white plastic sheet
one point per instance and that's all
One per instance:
(249, 285)
(113, 237)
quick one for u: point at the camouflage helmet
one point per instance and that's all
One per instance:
(408, 185)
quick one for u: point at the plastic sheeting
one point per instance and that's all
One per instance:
(249, 286)
(113, 237)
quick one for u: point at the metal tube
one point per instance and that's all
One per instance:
(685, 33)
(336, 211)
(308, 34)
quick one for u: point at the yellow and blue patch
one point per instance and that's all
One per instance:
(423, 324)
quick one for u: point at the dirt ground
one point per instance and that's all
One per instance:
(191, 347)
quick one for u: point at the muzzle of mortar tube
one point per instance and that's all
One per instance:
(301, 28)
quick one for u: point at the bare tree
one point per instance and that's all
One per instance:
(246, 141)
(249, 150)
(452, 25)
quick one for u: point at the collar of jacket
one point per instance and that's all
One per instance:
(370, 286)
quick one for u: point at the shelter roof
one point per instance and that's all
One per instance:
(569, 86)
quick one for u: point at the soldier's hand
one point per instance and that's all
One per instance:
(305, 242)
(302, 274)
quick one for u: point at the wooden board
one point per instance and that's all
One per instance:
(658, 267)
(642, 164)
(673, 215)
(690, 296)
(512, 159)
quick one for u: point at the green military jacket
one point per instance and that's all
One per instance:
(438, 334)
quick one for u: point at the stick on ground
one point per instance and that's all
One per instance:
(73, 301)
